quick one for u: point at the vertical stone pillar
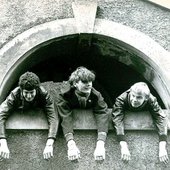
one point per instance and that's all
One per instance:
(84, 14)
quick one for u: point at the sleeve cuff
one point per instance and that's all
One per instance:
(162, 138)
(102, 136)
(51, 138)
(69, 136)
(121, 138)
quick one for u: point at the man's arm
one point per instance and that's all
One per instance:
(117, 118)
(48, 150)
(65, 113)
(102, 119)
(53, 122)
(160, 120)
(5, 108)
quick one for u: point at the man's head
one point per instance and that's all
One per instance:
(139, 93)
(29, 82)
(82, 79)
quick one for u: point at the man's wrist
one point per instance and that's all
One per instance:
(71, 144)
(162, 144)
(121, 137)
(50, 142)
(69, 136)
(162, 138)
(123, 144)
(3, 142)
(100, 143)
(102, 136)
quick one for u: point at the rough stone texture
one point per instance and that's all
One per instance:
(85, 20)
(20, 15)
(27, 147)
(146, 17)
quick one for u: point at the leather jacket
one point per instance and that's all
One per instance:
(122, 104)
(16, 101)
(67, 101)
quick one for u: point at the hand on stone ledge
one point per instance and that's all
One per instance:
(4, 151)
(73, 152)
(163, 156)
(125, 154)
(48, 150)
(99, 153)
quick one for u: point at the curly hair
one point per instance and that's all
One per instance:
(83, 74)
(29, 81)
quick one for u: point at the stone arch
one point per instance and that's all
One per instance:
(156, 60)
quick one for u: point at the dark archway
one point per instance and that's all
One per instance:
(118, 52)
(54, 60)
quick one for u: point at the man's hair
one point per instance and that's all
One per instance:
(29, 81)
(141, 88)
(83, 74)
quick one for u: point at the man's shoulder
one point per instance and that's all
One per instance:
(124, 95)
(16, 91)
(65, 87)
(152, 99)
(43, 90)
(95, 92)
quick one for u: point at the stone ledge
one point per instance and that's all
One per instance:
(163, 3)
(84, 120)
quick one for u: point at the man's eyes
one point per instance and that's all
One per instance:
(85, 82)
(137, 97)
(29, 92)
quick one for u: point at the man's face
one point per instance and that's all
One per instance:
(136, 99)
(29, 95)
(84, 86)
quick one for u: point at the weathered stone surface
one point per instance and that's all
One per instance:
(18, 16)
(85, 14)
(27, 146)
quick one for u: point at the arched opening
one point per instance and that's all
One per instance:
(116, 67)
(53, 50)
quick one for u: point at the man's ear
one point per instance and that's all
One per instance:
(147, 97)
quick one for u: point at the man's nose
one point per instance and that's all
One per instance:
(29, 95)
(135, 99)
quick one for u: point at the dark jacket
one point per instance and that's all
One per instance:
(67, 101)
(123, 104)
(16, 101)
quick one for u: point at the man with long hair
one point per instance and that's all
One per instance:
(80, 94)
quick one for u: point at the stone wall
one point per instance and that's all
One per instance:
(26, 146)
(20, 15)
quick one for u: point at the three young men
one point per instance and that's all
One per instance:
(28, 95)
(139, 98)
(79, 93)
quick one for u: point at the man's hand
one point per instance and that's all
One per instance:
(163, 156)
(4, 151)
(125, 154)
(99, 153)
(48, 150)
(73, 152)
